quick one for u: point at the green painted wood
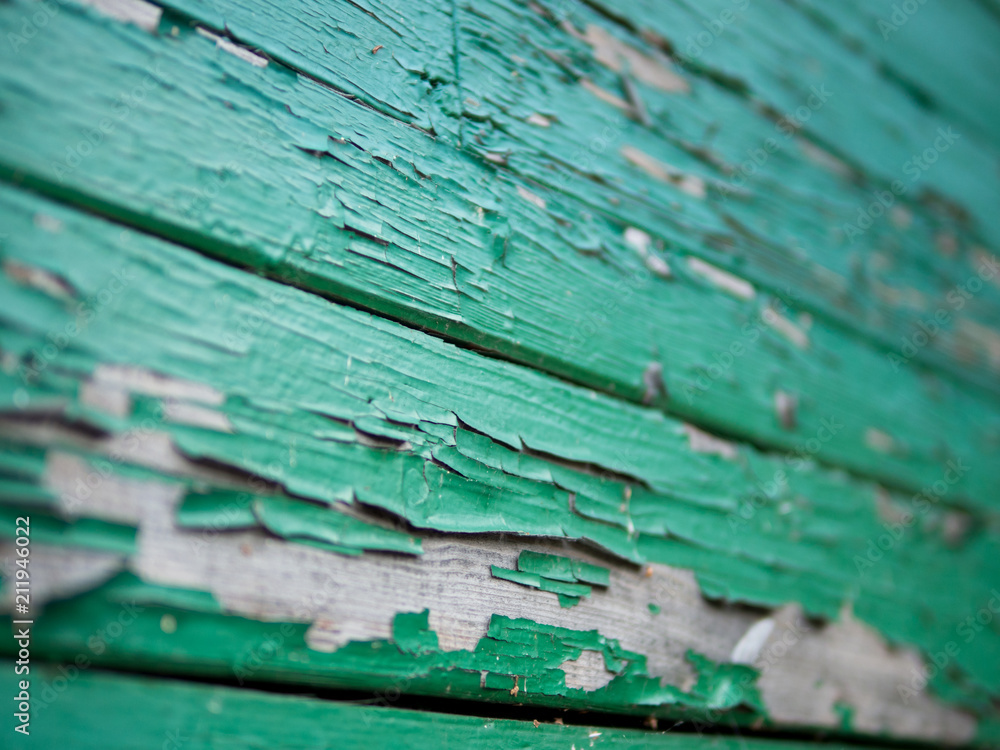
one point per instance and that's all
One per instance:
(471, 445)
(955, 81)
(500, 96)
(470, 256)
(554, 270)
(884, 115)
(109, 711)
(204, 641)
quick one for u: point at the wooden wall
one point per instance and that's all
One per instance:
(489, 358)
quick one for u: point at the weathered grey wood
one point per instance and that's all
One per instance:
(807, 669)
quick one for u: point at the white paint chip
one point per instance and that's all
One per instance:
(785, 406)
(640, 242)
(48, 223)
(878, 440)
(141, 380)
(702, 442)
(786, 328)
(113, 401)
(142, 14)
(587, 672)
(181, 412)
(39, 278)
(618, 55)
(687, 183)
(604, 95)
(722, 279)
(749, 646)
(234, 49)
(531, 197)
(658, 266)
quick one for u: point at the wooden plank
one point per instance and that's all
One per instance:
(899, 38)
(107, 710)
(208, 379)
(457, 350)
(497, 98)
(453, 274)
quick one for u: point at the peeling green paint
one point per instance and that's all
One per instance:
(87, 533)
(291, 519)
(567, 590)
(412, 634)
(548, 566)
(593, 574)
(225, 510)
(563, 576)
(332, 237)
(297, 521)
(846, 714)
(489, 446)
(517, 576)
(205, 641)
(505, 88)
(449, 191)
